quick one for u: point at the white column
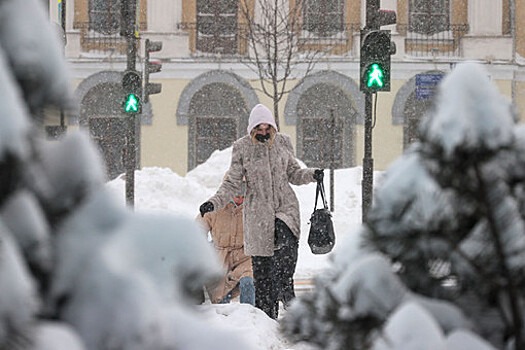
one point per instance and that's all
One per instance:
(163, 15)
(485, 17)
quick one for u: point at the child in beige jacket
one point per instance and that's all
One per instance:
(226, 228)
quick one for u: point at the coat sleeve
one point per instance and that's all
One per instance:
(206, 222)
(296, 175)
(232, 183)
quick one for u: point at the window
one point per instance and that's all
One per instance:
(108, 134)
(326, 127)
(217, 26)
(323, 17)
(414, 111)
(104, 16)
(215, 116)
(319, 142)
(429, 16)
(214, 133)
(103, 115)
(99, 24)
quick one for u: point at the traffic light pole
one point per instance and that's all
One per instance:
(376, 49)
(128, 12)
(367, 183)
(332, 163)
(131, 162)
(62, 7)
(131, 153)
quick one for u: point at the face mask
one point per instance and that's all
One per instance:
(262, 138)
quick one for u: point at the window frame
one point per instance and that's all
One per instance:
(430, 21)
(322, 14)
(211, 36)
(100, 19)
(93, 40)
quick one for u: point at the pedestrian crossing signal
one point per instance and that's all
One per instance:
(132, 104)
(376, 49)
(375, 76)
(132, 86)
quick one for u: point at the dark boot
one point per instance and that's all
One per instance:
(286, 262)
(265, 298)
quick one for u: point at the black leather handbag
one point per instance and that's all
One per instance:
(321, 238)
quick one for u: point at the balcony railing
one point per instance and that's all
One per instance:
(218, 43)
(235, 45)
(334, 43)
(97, 43)
(445, 43)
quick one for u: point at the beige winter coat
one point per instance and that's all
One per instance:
(226, 226)
(269, 170)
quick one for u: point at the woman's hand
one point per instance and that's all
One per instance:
(206, 207)
(319, 175)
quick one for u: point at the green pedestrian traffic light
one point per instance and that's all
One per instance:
(132, 104)
(132, 86)
(376, 49)
(375, 77)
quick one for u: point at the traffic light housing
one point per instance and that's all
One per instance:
(151, 66)
(128, 14)
(376, 48)
(132, 86)
(377, 17)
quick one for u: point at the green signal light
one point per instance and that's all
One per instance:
(375, 76)
(131, 104)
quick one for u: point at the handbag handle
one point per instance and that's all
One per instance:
(320, 189)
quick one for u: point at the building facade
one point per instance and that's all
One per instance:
(209, 83)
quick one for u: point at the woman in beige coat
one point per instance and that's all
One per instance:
(266, 159)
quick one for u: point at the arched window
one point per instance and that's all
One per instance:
(217, 26)
(414, 111)
(326, 119)
(429, 16)
(107, 126)
(215, 117)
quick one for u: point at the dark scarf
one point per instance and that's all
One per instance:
(262, 138)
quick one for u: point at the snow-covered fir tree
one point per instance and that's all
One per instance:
(77, 270)
(442, 254)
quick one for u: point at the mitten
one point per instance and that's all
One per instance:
(319, 175)
(206, 207)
